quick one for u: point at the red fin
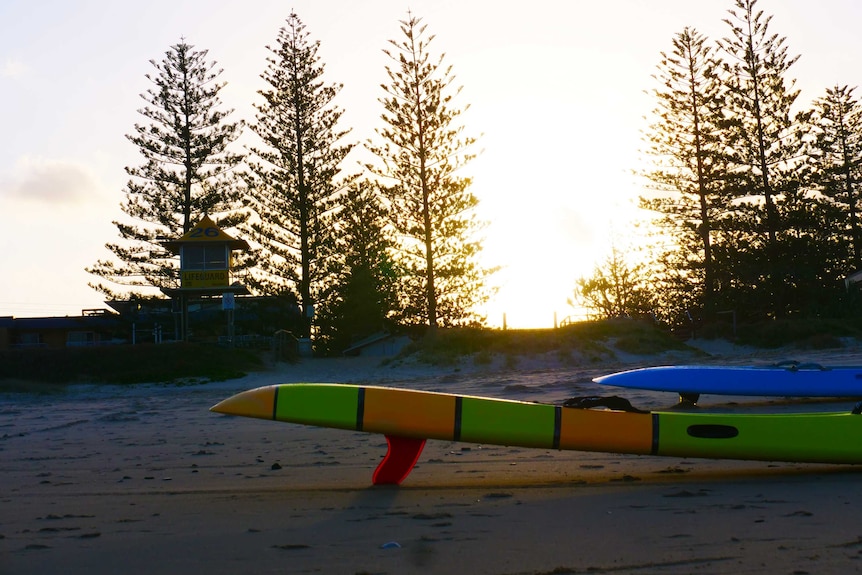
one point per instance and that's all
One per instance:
(402, 455)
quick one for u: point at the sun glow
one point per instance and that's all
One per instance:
(552, 217)
(542, 250)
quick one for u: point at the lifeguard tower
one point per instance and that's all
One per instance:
(205, 269)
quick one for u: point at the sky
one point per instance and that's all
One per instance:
(555, 91)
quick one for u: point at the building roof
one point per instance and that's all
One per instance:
(68, 322)
(206, 231)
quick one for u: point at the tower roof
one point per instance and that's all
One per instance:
(206, 231)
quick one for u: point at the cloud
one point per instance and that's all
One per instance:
(12, 68)
(50, 181)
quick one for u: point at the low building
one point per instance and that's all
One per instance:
(92, 327)
(154, 320)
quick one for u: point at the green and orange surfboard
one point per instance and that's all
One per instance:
(409, 417)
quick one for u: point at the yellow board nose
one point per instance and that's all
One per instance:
(258, 403)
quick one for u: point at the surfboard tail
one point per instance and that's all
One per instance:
(262, 403)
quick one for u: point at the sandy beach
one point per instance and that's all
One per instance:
(144, 479)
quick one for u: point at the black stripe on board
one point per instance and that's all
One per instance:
(456, 433)
(275, 403)
(558, 423)
(654, 450)
(360, 409)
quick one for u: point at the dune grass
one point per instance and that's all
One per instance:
(590, 339)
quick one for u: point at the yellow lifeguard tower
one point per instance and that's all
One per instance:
(205, 268)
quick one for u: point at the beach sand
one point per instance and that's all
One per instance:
(144, 479)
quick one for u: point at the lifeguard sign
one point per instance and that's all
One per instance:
(205, 257)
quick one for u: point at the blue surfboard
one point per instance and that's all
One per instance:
(782, 380)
